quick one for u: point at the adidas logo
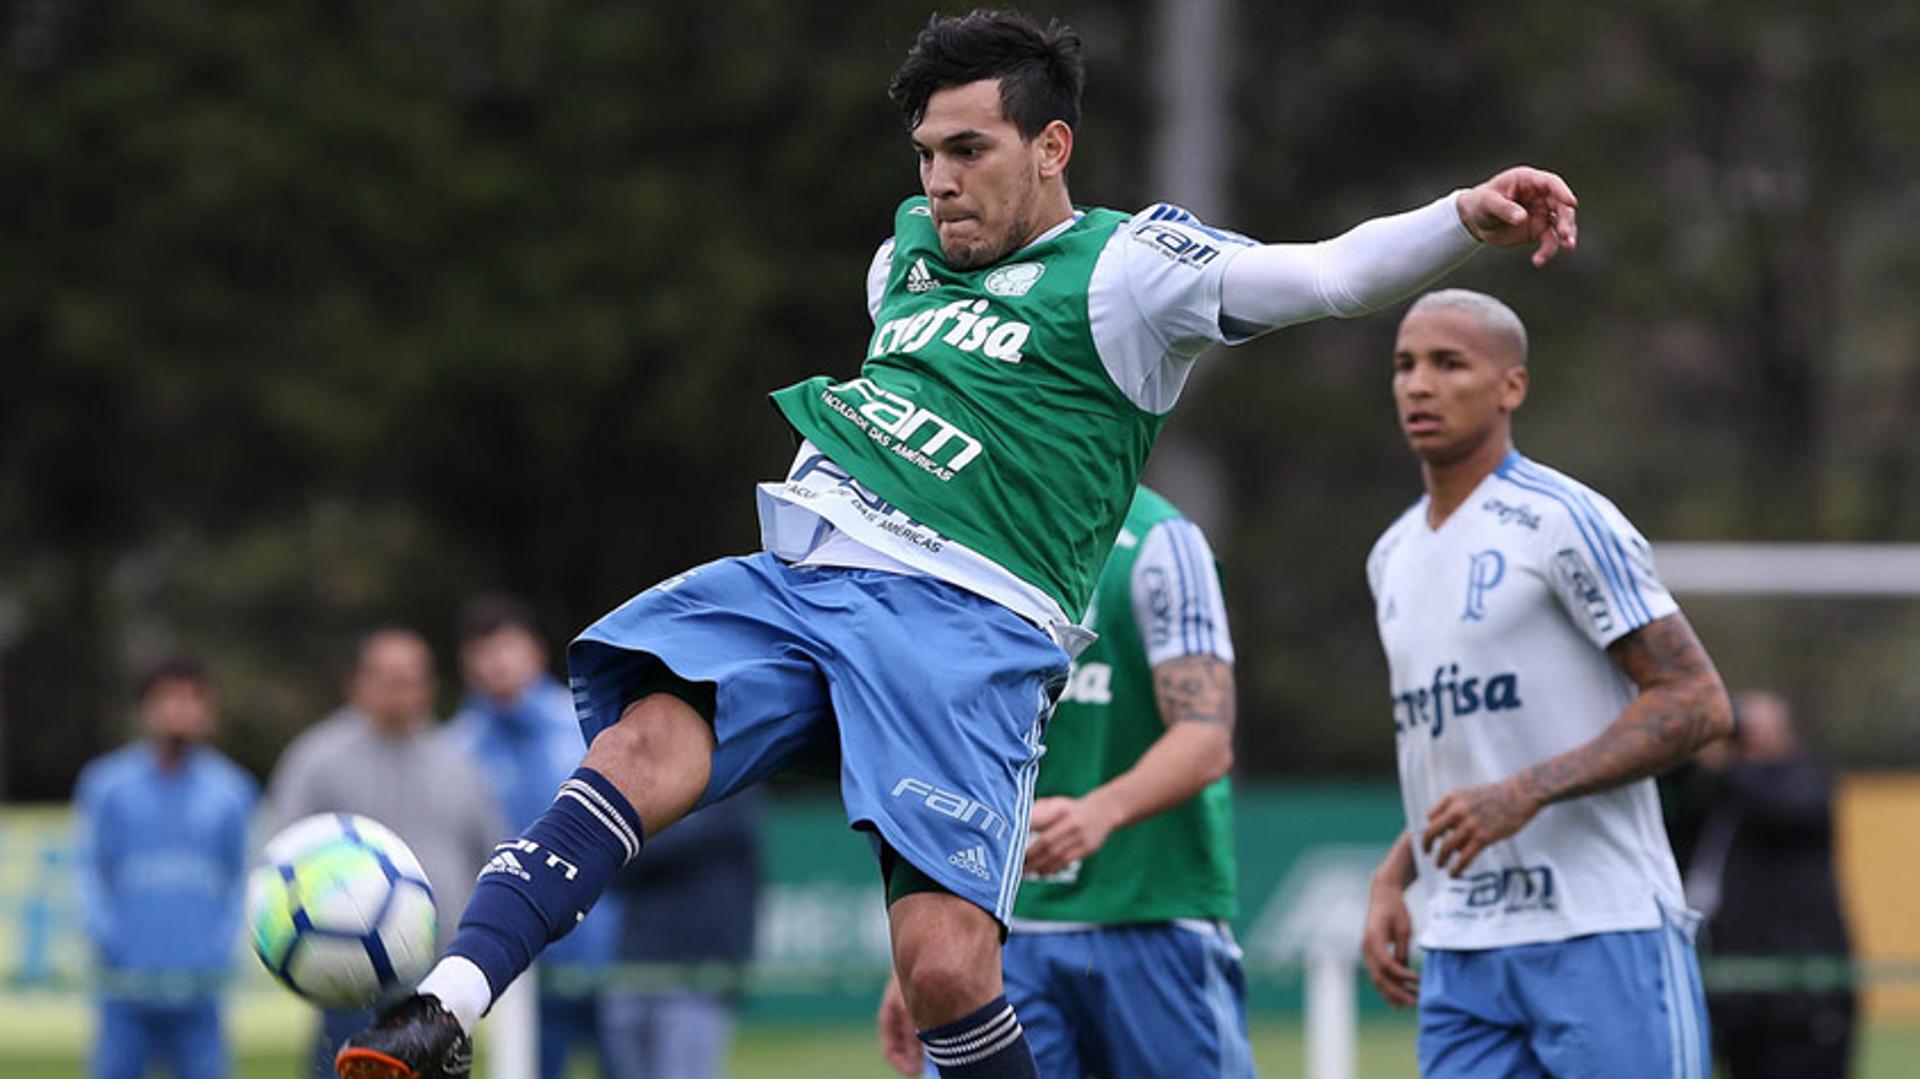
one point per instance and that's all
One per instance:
(973, 860)
(919, 278)
(505, 862)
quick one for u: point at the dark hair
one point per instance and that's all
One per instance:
(1039, 70)
(173, 669)
(487, 614)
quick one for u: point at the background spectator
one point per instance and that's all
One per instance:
(384, 756)
(517, 721)
(1761, 869)
(161, 860)
(689, 905)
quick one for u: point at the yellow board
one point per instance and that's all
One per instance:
(1877, 829)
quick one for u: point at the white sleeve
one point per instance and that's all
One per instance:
(1363, 269)
(1176, 595)
(877, 272)
(1601, 569)
(1153, 302)
(1167, 286)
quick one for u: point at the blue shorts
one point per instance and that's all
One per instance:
(1610, 1004)
(1159, 1000)
(934, 698)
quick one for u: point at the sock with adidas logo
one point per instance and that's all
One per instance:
(989, 1044)
(534, 890)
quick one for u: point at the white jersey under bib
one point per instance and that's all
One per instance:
(1495, 627)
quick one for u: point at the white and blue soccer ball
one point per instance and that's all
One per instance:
(340, 911)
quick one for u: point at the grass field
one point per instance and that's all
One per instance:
(766, 1051)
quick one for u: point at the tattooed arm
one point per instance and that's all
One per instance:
(1195, 695)
(1681, 707)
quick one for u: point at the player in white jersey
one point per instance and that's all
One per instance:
(1541, 675)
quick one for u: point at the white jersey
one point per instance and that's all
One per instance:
(1495, 627)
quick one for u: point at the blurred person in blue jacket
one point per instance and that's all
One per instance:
(517, 721)
(161, 862)
(687, 936)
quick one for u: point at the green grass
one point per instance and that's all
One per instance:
(766, 1051)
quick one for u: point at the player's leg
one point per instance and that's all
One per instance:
(1174, 1002)
(941, 707)
(120, 1048)
(196, 1042)
(691, 691)
(652, 766)
(946, 953)
(1624, 1003)
(1471, 1025)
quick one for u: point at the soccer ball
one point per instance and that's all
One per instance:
(340, 911)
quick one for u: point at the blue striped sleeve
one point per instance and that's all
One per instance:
(1177, 601)
(1602, 568)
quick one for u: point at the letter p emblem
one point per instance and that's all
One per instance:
(1485, 569)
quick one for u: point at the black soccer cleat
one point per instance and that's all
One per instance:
(413, 1039)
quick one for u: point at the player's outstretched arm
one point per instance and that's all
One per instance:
(1389, 258)
(1195, 694)
(1386, 942)
(1682, 705)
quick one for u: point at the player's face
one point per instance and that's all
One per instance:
(177, 710)
(1453, 387)
(502, 663)
(982, 180)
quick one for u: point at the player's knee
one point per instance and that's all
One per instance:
(944, 984)
(659, 755)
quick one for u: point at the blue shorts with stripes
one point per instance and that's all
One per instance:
(1160, 1000)
(1605, 1005)
(933, 699)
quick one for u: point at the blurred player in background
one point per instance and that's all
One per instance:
(1541, 675)
(383, 755)
(1761, 871)
(160, 862)
(1120, 961)
(517, 721)
(936, 539)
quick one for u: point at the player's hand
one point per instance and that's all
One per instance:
(899, 1041)
(1471, 819)
(1522, 206)
(1386, 945)
(1064, 831)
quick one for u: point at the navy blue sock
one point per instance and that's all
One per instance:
(536, 888)
(989, 1044)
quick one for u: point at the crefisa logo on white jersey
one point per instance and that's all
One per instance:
(1015, 280)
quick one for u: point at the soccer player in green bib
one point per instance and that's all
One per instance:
(934, 543)
(1120, 961)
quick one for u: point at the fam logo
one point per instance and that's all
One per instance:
(1581, 582)
(951, 804)
(1179, 245)
(1485, 570)
(1015, 280)
(894, 423)
(1450, 696)
(1514, 889)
